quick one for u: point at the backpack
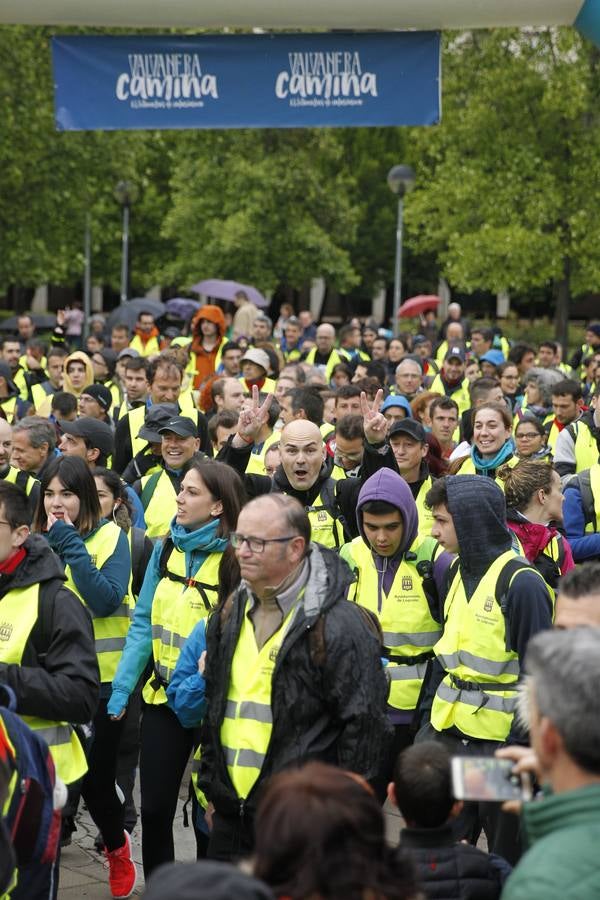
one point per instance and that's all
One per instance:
(587, 498)
(32, 821)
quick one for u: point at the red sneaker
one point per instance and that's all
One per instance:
(122, 873)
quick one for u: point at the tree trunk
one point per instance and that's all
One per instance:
(563, 297)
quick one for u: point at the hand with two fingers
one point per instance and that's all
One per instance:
(374, 422)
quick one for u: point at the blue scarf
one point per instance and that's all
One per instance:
(198, 544)
(504, 453)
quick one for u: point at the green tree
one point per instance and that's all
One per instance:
(508, 186)
(267, 207)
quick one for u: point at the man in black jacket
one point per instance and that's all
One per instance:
(293, 672)
(305, 470)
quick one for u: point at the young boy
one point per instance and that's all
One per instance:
(422, 791)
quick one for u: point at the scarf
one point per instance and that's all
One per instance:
(504, 453)
(198, 544)
(145, 336)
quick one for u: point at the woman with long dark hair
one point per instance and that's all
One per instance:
(186, 573)
(97, 562)
(320, 833)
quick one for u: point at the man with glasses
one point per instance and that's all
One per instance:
(293, 674)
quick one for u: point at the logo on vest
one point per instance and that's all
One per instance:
(489, 604)
(322, 516)
(273, 654)
(6, 629)
(407, 583)
(94, 559)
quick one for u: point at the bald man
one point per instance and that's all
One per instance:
(305, 469)
(324, 356)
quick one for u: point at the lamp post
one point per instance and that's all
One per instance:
(401, 180)
(126, 193)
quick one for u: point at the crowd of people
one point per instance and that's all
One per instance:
(311, 566)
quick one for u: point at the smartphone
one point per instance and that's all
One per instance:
(488, 778)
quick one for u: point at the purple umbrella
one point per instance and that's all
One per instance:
(182, 307)
(226, 290)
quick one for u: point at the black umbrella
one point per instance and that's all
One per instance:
(129, 311)
(42, 322)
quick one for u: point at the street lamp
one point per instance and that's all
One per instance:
(401, 180)
(126, 193)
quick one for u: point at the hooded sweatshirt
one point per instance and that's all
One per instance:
(80, 356)
(205, 360)
(478, 509)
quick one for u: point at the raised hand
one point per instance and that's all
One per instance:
(253, 416)
(374, 422)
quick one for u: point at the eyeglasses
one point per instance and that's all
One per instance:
(256, 545)
(351, 457)
(527, 436)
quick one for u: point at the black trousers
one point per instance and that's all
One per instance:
(129, 755)
(231, 838)
(402, 738)
(98, 787)
(502, 830)
(165, 750)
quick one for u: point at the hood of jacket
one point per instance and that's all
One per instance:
(534, 536)
(330, 577)
(390, 486)
(478, 509)
(40, 564)
(213, 314)
(82, 357)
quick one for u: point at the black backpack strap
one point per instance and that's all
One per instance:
(22, 479)
(587, 498)
(505, 579)
(328, 494)
(201, 586)
(138, 570)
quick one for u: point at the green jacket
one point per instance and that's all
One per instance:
(563, 833)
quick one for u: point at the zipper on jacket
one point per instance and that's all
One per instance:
(242, 808)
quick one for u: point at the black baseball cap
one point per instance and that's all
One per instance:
(411, 428)
(181, 425)
(97, 433)
(455, 352)
(157, 416)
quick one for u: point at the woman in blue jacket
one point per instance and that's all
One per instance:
(188, 572)
(97, 561)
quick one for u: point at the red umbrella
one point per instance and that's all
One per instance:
(417, 305)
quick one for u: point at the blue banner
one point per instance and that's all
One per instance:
(247, 81)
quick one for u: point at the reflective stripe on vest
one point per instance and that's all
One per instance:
(248, 723)
(176, 608)
(109, 631)
(325, 529)
(473, 652)
(586, 447)
(161, 507)
(406, 621)
(19, 615)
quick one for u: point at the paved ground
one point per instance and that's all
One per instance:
(82, 872)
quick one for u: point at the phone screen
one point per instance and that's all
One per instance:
(487, 778)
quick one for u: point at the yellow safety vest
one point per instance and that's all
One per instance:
(19, 613)
(191, 367)
(425, 514)
(159, 502)
(180, 601)
(409, 630)
(115, 393)
(248, 723)
(460, 395)
(21, 478)
(150, 348)
(552, 550)
(472, 650)
(10, 409)
(39, 396)
(593, 525)
(468, 468)
(325, 529)
(267, 388)
(109, 631)
(586, 448)
(333, 360)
